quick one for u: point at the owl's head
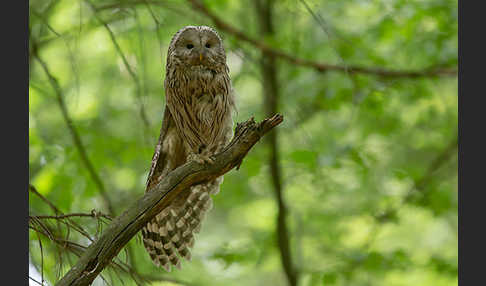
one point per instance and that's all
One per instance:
(195, 47)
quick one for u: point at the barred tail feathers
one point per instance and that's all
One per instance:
(170, 234)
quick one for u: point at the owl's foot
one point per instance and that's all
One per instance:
(202, 157)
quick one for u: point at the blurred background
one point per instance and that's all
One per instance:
(358, 185)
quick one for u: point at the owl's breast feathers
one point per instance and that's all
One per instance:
(201, 102)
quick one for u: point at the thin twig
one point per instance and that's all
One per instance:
(320, 67)
(320, 21)
(66, 43)
(131, 72)
(77, 250)
(53, 207)
(58, 212)
(174, 7)
(35, 281)
(42, 257)
(157, 26)
(46, 229)
(74, 133)
(93, 214)
(63, 242)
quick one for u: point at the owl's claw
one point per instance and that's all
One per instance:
(201, 158)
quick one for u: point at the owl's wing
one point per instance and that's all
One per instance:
(171, 232)
(159, 159)
(170, 235)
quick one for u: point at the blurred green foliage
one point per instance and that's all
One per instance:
(369, 163)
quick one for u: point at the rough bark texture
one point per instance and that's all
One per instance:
(124, 227)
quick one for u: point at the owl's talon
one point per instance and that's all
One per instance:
(201, 158)
(202, 155)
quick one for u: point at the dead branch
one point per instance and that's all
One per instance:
(93, 214)
(77, 249)
(320, 67)
(58, 212)
(99, 254)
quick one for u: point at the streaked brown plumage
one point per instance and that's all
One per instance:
(197, 123)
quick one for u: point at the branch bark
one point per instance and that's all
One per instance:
(320, 67)
(124, 227)
(264, 9)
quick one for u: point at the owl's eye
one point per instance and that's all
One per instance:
(190, 46)
(208, 45)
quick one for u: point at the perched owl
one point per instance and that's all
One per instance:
(197, 124)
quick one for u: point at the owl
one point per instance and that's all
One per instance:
(197, 124)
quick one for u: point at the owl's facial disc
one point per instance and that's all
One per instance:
(199, 49)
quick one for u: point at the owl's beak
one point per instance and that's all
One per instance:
(200, 57)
